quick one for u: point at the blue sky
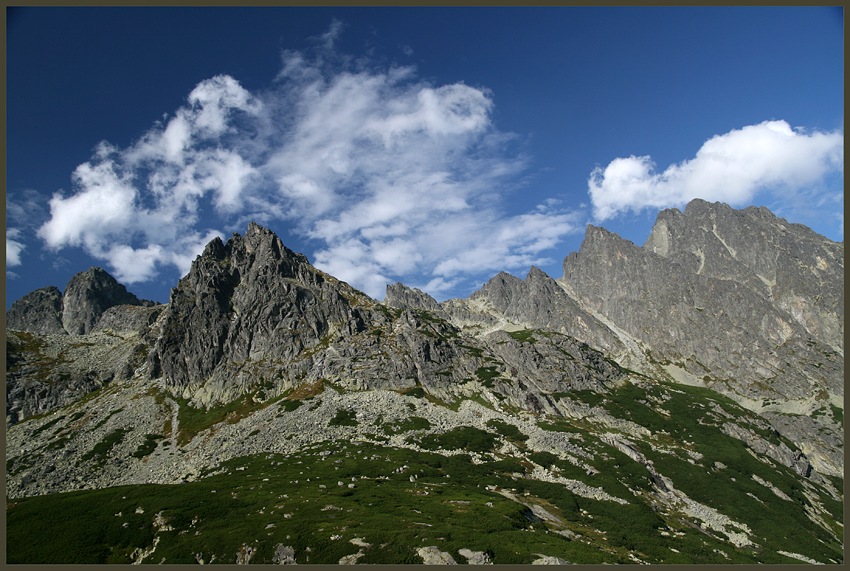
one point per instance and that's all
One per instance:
(432, 146)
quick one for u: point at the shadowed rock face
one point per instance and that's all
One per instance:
(247, 300)
(39, 311)
(251, 312)
(88, 295)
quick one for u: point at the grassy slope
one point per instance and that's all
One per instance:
(267, 500)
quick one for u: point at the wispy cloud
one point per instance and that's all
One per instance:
(14, 248)
(731, 168)
(24, 212)
(392, 177)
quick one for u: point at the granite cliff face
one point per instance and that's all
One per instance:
(61, 347)
(718, 330)
(247, 301)
(723, 333)
(251, 312)
(87, 297)
(39, 312)
(794, 268)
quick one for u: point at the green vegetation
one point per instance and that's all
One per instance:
(776, 523)
(148, 446)
(486, 375)
(509, 431)
(290, 404)
(406, 425)
(398, 500)
(104, 420)
(344, 417)
(588, 397)
(474, 351)
(466, 438)
(837, 413)
(417, 392)
(446, 505)
(48, 424)
(523, 336)
(192, 421)
(97, 455)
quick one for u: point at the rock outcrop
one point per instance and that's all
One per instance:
(39, 312)
(251, 312)
(401, 296)
(538, 302)
(718, 330)
(249, 300)
(796, 269)
(88, 295)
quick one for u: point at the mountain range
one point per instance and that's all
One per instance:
(680, 401)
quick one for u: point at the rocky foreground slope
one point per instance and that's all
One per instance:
(713, 351)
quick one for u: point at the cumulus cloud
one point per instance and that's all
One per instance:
(732, 168)
(137, 208)
(391, 177)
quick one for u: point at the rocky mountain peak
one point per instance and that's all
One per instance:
(39, 312)
(88, 295)
(739, 300)
(248, 299)
(788, 264)
(404, 297)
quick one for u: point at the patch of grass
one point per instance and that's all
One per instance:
(192, 421)
(98, 454)
(290, 404)
(523, 336)
(406, 425)
(466, 438)
(509, 431)
(486, 375)
(307, 390)
(417, 392)
(474, 351)
(58, 443)
(588, 397)
(48, 424)
(344, 417)
(148, 446)
(104, 420)
(837, 413)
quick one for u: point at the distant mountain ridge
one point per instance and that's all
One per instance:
(736, 301)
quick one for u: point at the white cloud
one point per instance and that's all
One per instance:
(24, 212)
(138, 208)
(394, 178)
(731, 168)
(14, 248)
